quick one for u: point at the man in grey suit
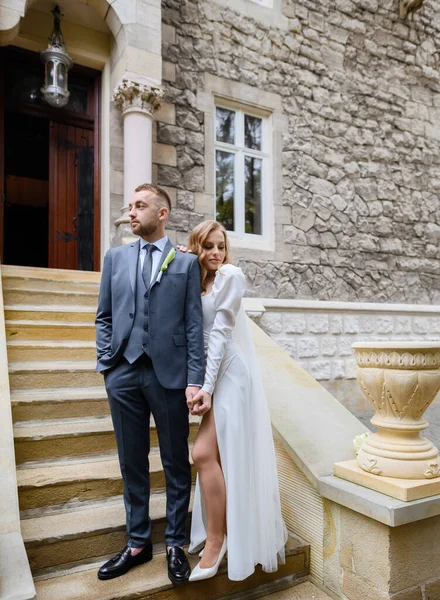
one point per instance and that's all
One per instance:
(149, 341)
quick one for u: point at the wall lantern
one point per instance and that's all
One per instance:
(57, 64)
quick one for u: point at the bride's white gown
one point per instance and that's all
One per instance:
(255, 528)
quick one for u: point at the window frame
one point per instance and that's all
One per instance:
(240, 152)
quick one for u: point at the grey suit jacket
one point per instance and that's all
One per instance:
(175, 310)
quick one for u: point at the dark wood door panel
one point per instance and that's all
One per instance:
(27, 191)
(67, 216)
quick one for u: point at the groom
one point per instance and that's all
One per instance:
(149, 342)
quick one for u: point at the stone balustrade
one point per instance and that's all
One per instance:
(319, 335)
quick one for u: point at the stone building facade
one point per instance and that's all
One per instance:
(320, 118)
(354, 93)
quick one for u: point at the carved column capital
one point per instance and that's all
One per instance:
(131, 94)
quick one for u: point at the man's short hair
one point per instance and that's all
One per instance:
(160, 192)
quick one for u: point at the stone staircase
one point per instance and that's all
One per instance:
(69, 483)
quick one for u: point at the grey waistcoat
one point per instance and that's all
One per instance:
(139, 337)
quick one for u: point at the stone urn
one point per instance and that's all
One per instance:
(400, 379)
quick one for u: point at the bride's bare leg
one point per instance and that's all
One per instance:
(206, 457)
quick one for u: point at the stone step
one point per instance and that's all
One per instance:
(24, 350)
(302, 591)
(89, 436)
(34, 375)
(49, 330)
(43, 440)
(89, 531)
(48, 483)
(14, 277)
(65, 314)
(49, 285)
(59, 403)
(150, 581)
(53, 297)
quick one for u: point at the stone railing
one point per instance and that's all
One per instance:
(365, 545)
(319, 335)
(15, 575)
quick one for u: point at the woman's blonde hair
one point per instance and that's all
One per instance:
(197, 241)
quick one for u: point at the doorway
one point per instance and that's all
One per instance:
(26, 205)
(49, 166)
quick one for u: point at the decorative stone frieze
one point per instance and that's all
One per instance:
(131, 94)
(398, 359)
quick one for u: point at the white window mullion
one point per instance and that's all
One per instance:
(239, 204)
(239, 132)
(240, 173)
(264, 192)
(268, 188)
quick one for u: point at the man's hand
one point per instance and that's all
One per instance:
(201, 403)
(190, 392)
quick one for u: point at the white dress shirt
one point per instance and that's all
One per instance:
(156, 256)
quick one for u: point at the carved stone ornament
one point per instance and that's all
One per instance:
(133, 95)
(409, 6)
(400, 379)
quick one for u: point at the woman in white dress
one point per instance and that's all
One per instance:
(236, 504)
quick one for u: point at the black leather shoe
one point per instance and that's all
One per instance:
(178, 566)
(124, 561)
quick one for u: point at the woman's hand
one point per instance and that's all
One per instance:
(183, 248)
(201, 403)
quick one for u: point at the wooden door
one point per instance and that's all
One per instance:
(71, 197)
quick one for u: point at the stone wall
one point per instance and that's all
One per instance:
(359, 212)
(377, 562)
(319, 335)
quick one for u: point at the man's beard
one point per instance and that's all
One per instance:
(146, 230)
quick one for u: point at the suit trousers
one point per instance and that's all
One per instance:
(134, 394)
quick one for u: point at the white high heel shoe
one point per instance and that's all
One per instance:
(198, 574)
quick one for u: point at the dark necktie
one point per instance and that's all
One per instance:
(148, 264)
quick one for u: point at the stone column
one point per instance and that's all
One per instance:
(137, 102)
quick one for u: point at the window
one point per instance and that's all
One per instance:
(241, 171)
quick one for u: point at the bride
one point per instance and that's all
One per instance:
(236, 505)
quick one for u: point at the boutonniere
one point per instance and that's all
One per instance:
(169, 258)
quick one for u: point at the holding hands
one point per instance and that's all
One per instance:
(200, 403)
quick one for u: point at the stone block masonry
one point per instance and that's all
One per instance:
(359, 159)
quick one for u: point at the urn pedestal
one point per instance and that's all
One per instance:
(400, 379)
